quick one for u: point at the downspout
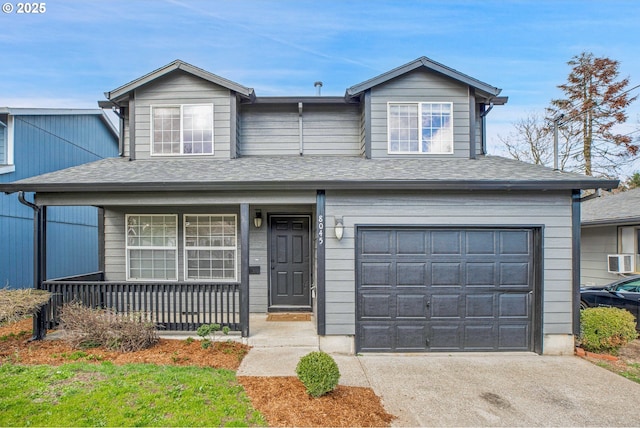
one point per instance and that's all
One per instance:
(39, 261)
(300, 128)
(117, 111)
(483, 116)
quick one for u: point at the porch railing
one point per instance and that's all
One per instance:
(173, 306)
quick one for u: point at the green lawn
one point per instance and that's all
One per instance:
(82, 394)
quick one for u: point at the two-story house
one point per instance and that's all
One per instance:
(379, 211)
(35, 141)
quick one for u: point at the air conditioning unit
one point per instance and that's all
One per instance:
(620, 263)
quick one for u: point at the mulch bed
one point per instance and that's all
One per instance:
(282, 400)
(346, 406)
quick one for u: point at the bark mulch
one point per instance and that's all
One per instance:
(282, 400)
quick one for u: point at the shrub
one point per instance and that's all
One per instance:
(88, 328)
(16, 304)
(606, 329)
(318, 372)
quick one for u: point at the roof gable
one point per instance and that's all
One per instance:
(422, 62)
(122, 92)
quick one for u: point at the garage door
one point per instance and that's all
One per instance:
(433, 289)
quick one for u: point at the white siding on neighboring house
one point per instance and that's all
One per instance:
(181, 88)
(551, 210)
(420, 86)
(595, 244)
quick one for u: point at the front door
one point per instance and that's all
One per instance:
(290, 263)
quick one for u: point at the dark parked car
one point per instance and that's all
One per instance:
(624, 294)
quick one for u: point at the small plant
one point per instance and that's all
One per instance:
(189, 340)
(318, 372)
(606, 330)
(206, 330)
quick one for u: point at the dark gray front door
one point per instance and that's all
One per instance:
(432, 289)
(290, 263)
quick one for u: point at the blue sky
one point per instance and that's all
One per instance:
(78, 49)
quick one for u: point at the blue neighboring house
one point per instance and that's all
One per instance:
(35, 141)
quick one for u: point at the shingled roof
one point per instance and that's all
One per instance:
(619, 208)
(304, 172)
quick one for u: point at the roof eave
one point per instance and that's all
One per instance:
(123, 91)
(507, 185)
(356, 90)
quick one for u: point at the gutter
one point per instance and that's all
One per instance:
(121, 187)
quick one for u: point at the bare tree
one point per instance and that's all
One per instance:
(595, 102)
(532, 142)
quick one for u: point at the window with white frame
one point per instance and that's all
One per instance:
(152, 247)
(629, 243)
(420, 127)
(182, 129)
(210, 247)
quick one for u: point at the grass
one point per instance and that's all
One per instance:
(631, 370)
(80, 394)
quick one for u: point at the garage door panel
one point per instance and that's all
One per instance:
(411, 306)
(375, 273)
(515, 274)
(480, 274)
(515, 305)
(480, 242)
(410, 273)
(376, 306)
(377, 337)
(375, 242)
(445, 274)
(434, 289)
(411, 338)
(515, 242)
(445, 242)
(480, 337)
(445, 306)
(411, 243)
(514, 337)
(445, 337)
(480, 306)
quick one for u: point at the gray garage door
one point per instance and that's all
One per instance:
(433, 289)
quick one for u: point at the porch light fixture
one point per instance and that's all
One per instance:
(339, 228)
(257, 220)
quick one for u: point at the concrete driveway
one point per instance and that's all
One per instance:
(463, 389)
(500, 390)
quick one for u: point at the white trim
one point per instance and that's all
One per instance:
(185, 268)
(7, 169)
(181, 107)
(419, 105)
(127, 247)
(10, 140)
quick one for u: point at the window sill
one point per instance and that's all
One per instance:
(6, 169)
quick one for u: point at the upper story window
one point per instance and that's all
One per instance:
(182, 130)
(420, 128)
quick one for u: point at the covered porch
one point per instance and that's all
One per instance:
(185, 304)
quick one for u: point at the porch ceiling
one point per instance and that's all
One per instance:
(304, 172)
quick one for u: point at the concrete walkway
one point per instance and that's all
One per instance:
(520, 389)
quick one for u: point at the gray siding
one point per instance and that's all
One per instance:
(275, 130)
(182, 88)
(550, 210)
(417, 86)
(595, 244)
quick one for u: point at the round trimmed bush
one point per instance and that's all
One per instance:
(318, 372)
(606, 330)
